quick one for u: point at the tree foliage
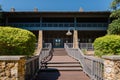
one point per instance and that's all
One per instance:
(0, 13)
(0, 8)
(115, 4)
(15, 41)
(114, 27)
(107, 45)
(115, 14)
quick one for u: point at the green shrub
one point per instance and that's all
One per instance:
(107, 45)
(15, 41)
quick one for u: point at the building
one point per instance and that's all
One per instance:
(52, 26)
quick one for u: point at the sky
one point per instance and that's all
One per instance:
(56, 5)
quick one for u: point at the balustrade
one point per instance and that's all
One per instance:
(92, 66)
(34, 64)
(43, 25)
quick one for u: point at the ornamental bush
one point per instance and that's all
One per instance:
(107, 45)
(15, 41)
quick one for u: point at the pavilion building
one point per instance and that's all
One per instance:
(51, 27)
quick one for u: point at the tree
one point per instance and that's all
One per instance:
(115, 4)
(0, 13)
(114, 27)
(0, 8)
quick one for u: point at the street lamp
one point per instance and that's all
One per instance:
(75, 36)
(70, 33)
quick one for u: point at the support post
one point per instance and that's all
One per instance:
(40, 21)
(75, 21)
(40, 40)
(75, 39)
(6, 23)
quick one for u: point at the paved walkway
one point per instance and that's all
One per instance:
(62, 75)
(68, 75)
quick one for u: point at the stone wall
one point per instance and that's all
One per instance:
(117, 70)
(111, 67)
(12, 67)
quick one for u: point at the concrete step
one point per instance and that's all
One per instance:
(63, 69)
(58, 49)
(59, 52)
(63, 65)
(58, 62)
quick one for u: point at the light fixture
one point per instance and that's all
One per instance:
(68, 33)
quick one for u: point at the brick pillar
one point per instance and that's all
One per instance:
(40, 40)
(75, 39)
(111, 67)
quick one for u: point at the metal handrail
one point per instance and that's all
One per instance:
(87, 46)
(92, 66)
(46, 52)
(32, 67)
(34, 63)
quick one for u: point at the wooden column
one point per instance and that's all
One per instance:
(40, 40)
(75, 39)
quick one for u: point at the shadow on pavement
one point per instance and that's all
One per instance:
(49, 74)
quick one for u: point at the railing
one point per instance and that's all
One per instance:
(91, 24)
(45, 53)
(87, 46)
(47, 45)
(34, 64)
(59, 24)
(92, 66)
(25, 24)
(1, 24)
(32, 67)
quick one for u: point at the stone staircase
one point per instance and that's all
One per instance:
(62, 62)
(64, 66)
(59, 52)
(61, 67)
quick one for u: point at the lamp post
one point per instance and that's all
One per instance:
(70, 33)
(75, 37)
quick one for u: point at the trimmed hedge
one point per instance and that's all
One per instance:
(107, 45)
(15, 41)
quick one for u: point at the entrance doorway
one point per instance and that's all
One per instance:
(57, 38)
(58, 43)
